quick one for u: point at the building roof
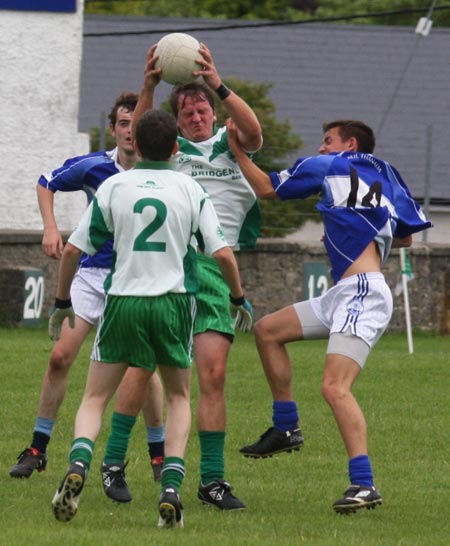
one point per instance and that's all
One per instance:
(393, 79)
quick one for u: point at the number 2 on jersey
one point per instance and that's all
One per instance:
(142, 243)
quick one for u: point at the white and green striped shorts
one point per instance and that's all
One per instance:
(146, 331)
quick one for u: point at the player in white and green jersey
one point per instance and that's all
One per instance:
(152, 212)
(152, 253)
(212, 164)
(204, 154)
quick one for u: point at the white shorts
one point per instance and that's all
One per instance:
(353, 314)
(88, 294)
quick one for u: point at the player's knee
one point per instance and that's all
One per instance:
(263, 330)
(60, 361)
(332, 392)
(326, 392)
(267, 332)
(212, 380)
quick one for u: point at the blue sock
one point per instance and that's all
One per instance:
(155, 434)
(285, 415)
(44, 425)
(360, 471)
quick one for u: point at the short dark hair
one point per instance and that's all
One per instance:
(127, 100)
(354, 128)
(156, 134)
(196, 90)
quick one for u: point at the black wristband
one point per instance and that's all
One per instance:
(63, 304)
(222, 92)
(237, 301)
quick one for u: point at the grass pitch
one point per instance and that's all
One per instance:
(289, 497)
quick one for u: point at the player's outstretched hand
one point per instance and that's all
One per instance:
(152, 75)
(242, 313)
(233, 139)
(56, 319)
(52, 243)
(208, 70)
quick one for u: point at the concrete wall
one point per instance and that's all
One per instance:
(274, 276)
(40, 69)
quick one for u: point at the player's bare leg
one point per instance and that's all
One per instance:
(53, 390)
(102, 381)
(211, 351)
(340, 373)
(177, 389)
(271, 334)
(65, 350)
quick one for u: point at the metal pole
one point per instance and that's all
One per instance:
(406, 300)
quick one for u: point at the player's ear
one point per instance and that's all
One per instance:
(176, 147)
(352, 144)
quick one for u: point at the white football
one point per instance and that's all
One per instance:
(177, 53)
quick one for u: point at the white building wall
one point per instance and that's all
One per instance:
(40, 65)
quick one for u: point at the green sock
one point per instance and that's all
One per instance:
(212, 465)
(173, 473)
(119, 437)
(82, 450)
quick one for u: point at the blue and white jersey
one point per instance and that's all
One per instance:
(362, 199)
(85, 173)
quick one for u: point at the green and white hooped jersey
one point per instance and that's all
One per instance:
(212, 164)
(152, 212)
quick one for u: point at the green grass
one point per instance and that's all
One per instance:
(405, 400)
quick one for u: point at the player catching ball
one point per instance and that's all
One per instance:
(204, 154)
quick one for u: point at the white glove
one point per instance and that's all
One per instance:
(242, 313)
(56, 319)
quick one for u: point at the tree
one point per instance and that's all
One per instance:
(95, 139)
(278, 10)
(226, 9)
(343, 8)
(281, 145)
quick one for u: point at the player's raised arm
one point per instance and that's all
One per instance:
(258, 179)
(152, 76)
(248, 126)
